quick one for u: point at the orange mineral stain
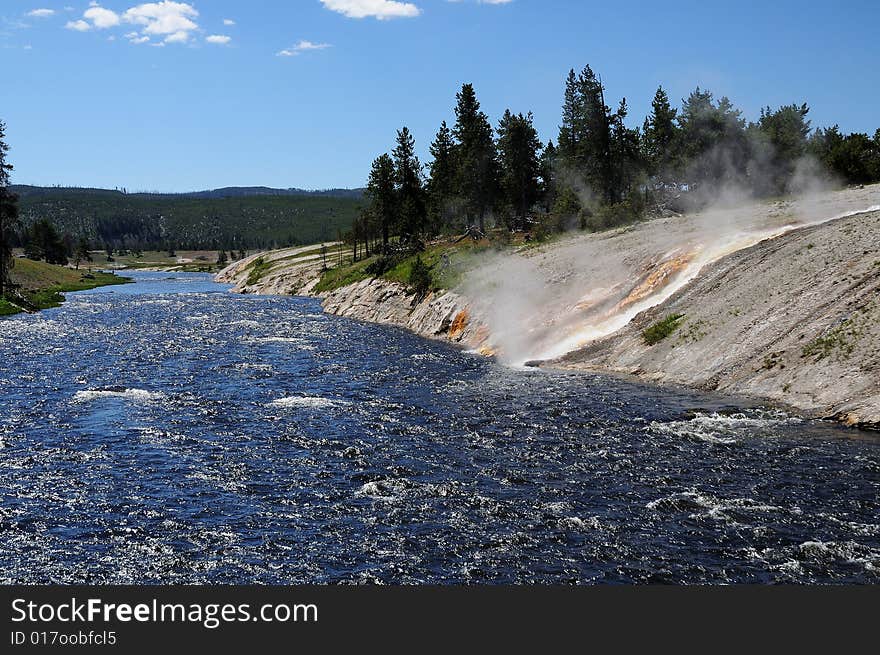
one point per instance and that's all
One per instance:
(459, 324)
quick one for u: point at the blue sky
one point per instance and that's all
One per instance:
(176, 96)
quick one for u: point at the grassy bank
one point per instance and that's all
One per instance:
(445, 260)
(41, 285)
(190, 261)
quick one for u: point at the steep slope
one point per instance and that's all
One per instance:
(277, 272)
(795, 319)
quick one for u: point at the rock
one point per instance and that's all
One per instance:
(286, 272)
(390, 303)
(794, 319)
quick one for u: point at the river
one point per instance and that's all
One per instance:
(170, 432)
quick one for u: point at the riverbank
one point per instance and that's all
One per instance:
(349, 291)
(794, 319)
(41, 285)
(181, 261)
(775, 300)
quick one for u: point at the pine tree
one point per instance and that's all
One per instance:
(568, 131)
(548, 175)
(409, 188)
(420, 279)
(222, 259)
(626, 158)
(855, 158)
(43, 242)
(477, 174)
(585, 135)
(8, 213)
(714, 143)
(660, 136)
(594, 150)
(383, 195)
(441, 181)
(781, 137)
(520, 165)
(81, 254)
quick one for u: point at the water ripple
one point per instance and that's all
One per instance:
(172, 433)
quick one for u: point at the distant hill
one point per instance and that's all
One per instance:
(233, 217)
(224, 192)
(237, 192)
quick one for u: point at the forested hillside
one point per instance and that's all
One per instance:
(254, 217)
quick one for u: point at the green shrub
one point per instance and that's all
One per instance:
(7, 308)
(342, 276)
(420, 280)
(258, 269)
(382, 264)
(46, 299)
(629, 211)
(662, 329)
(842, 340)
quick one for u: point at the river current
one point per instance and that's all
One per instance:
(170, 432)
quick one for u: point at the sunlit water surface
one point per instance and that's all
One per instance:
(170, 432)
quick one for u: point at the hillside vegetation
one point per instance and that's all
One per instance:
(204, 220)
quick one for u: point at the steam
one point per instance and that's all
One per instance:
(543, 303)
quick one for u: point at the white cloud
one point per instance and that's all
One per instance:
(379, 9)
(302, 46)
(41, 13)
(308, 45)
(100, 17)
(94, 17)
(78, 26)
(177, 37)
(156, 23)
(163, 18)
(136, 38)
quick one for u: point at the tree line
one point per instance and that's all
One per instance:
(601, 172)
(476, 171)
(184, 222)
(8, 213)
